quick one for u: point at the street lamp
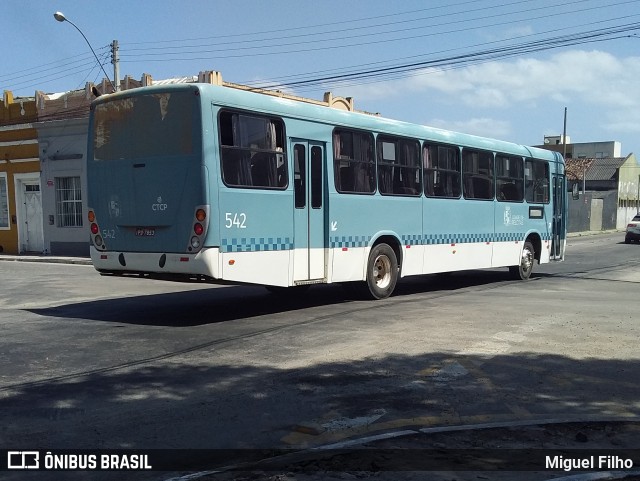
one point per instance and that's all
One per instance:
(59, 16)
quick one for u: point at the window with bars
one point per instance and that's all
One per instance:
(68, 202)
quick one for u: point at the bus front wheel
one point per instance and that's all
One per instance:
(523, 271)
(382, 271)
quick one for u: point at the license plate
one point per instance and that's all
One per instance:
(145, 232)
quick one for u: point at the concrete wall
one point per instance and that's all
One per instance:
(579, 215)
(63, 153)
(593, 211)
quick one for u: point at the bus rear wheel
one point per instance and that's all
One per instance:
(523, 271)
(382, 271)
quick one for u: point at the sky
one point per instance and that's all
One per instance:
(505, 69)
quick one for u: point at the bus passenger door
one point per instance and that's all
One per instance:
(559, 227)
(309, 224)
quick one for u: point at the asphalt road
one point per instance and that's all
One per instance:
(90, 362)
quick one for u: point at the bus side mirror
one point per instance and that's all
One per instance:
(575, 192)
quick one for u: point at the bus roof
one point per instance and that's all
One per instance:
(278, 104)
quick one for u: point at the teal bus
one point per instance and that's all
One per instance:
(224, 185)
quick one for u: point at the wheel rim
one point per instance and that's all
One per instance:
(527, 261)
(382, 271)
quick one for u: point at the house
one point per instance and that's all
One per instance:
(609, 182)
(582, 150)
(21, 222)
(42, 154)
(611, 187)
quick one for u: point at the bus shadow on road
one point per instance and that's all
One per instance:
(215, 305)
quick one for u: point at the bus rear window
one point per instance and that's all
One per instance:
(147, 126)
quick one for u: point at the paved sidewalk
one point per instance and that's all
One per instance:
(48, 259)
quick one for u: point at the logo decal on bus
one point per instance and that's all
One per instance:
(511, 219)
(159, 205)
(114, 207)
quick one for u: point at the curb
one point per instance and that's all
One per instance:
(595, 476)
(47, 259)
(602, 475)
(594, 232)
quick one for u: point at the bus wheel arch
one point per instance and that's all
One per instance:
(383, 267)
(528, 257)
(536, 243)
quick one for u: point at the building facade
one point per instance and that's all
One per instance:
(611, 187)
(63, 153)
(21, 221)
(583, 150)
(628, 191)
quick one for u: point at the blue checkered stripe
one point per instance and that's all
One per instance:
(412, 239)
(349, 241)
(256, 244)
(431, 239)
(508, 236)
(437, 239)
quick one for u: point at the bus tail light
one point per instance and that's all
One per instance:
(200, 225)
(96, 239)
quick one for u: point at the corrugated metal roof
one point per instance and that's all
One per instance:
(574, 168)
(176, 80)
(596, 169)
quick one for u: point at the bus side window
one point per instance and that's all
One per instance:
(398, 166)
(252, 151)
(477, 169)
(441, 165)
(537, 181)
(299, 176)
(353, 162)
(509, 178)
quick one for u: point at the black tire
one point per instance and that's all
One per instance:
(527, 259)
(627, 240)
(382, 271)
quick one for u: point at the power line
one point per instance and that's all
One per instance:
(307, 27)
(386, 63)
(38, 81)
(404, 23)
(256, 51)
(56, 71)
(468, 58)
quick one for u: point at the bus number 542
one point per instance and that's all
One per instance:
(233, 219)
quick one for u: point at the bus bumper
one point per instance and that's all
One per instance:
(204, 263)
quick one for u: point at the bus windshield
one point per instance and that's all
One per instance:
(156, 125)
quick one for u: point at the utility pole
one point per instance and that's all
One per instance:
(564, 135)
(115, 60)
